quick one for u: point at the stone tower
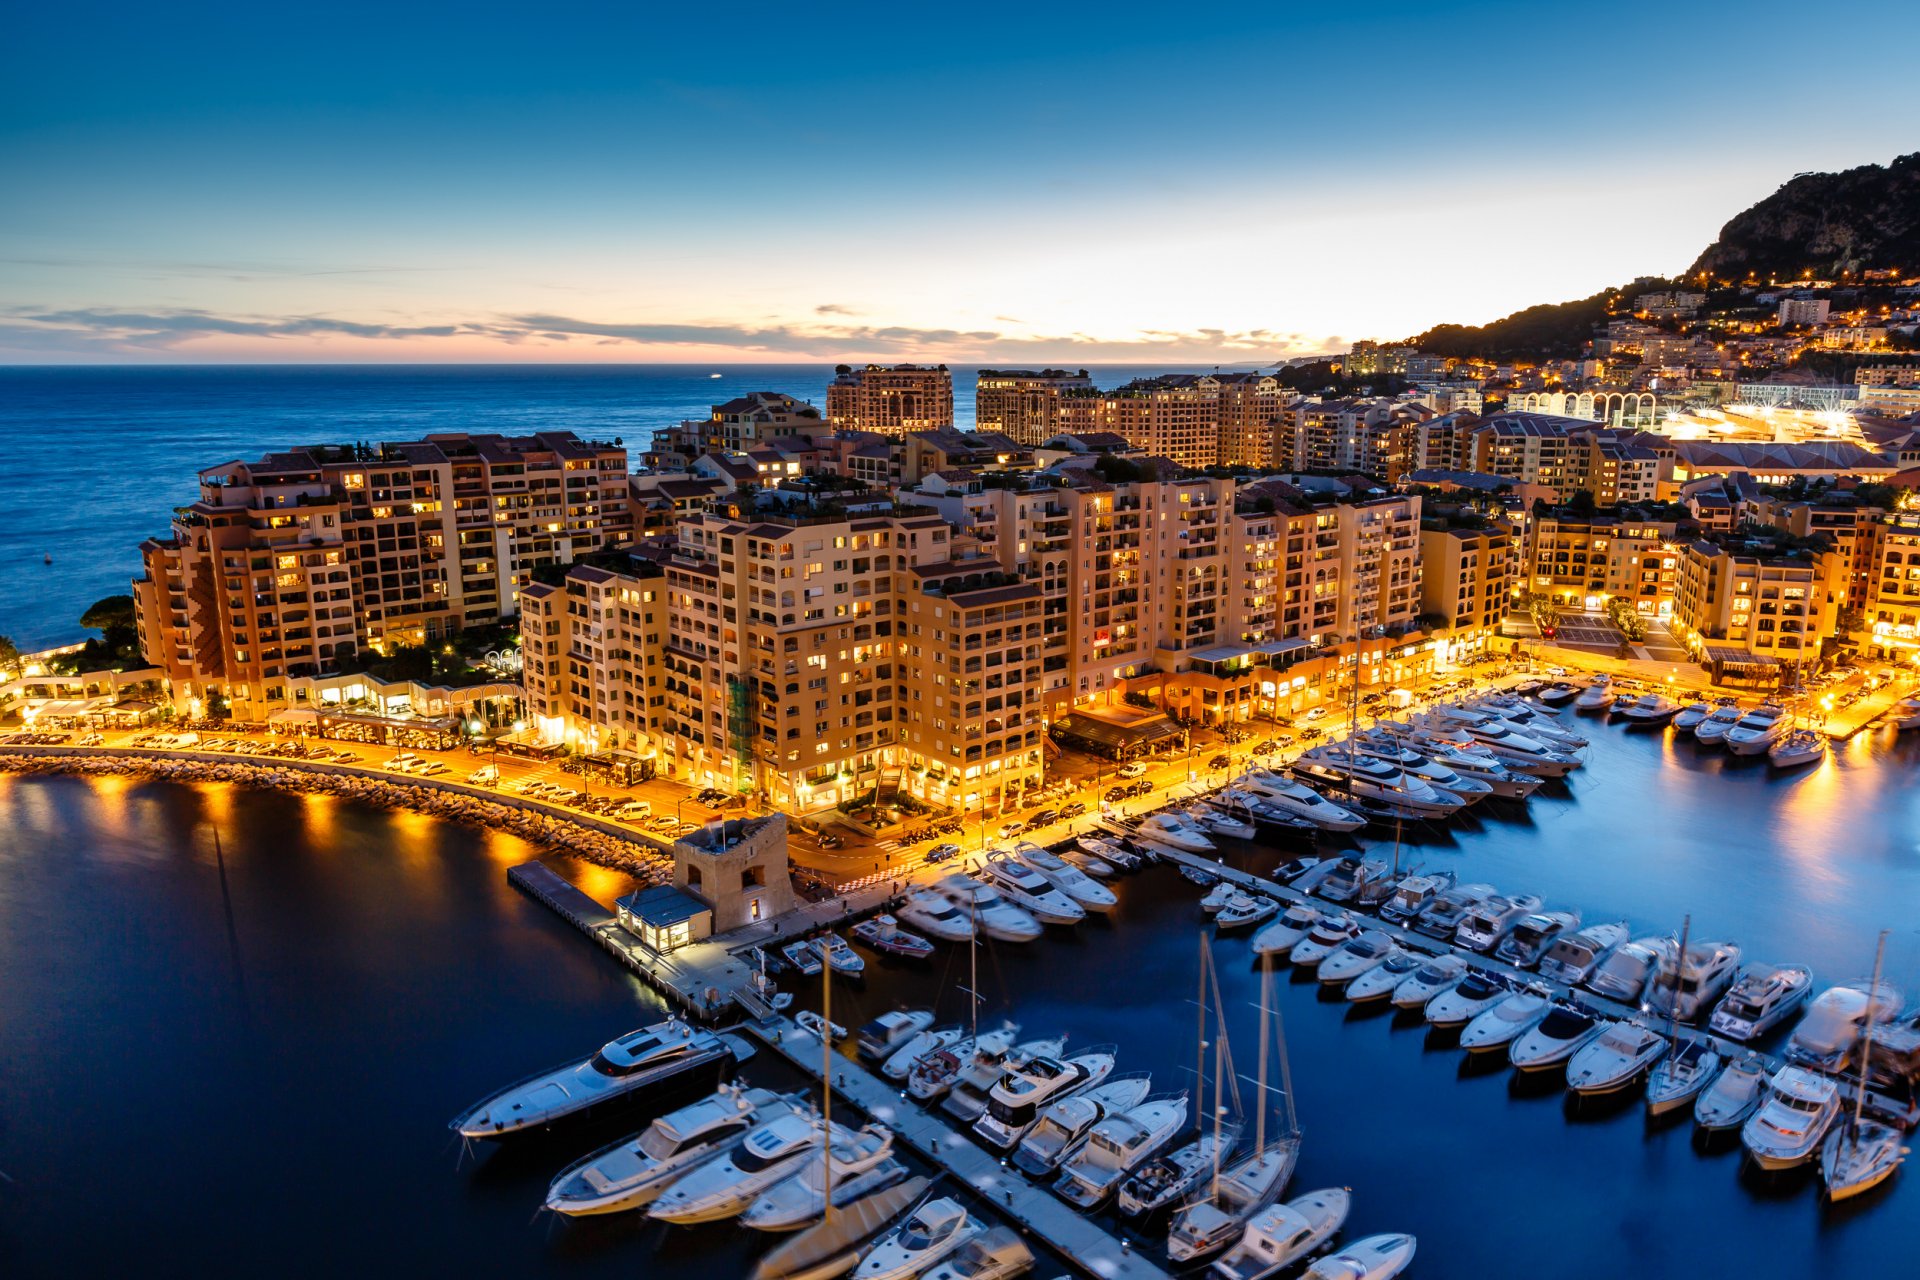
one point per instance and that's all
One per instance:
(739, 868)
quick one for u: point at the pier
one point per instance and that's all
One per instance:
(1078, 1239)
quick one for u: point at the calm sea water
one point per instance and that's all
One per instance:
(95, 459)
(278, 1102)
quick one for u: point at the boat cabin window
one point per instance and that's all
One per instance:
(1012, 1116)
(748, 1160)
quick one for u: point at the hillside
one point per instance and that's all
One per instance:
(1824, 224)
(1551, 330)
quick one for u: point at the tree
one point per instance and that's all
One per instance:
(9, 657)
(107, 613)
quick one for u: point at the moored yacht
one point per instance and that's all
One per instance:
(1690, 715)
(1499, 738)
(1383, 979)
(1761, 998)
(1482, 928)
(1624, 973)
(1713, 728)
(935, 916)
(1171, 827)
(878, 1039)
(1290, 796)
(1166, 1179)
(631, 1172)
(1649, 710)
(1026, 1089)
(1351, 875)
(1797, 1107)
(1374, 1258)
(1244, 910)
(1441, 917)
(1368, 779)
(1437, 974)
(1532, 721)
(1828, 1034)
(1734, 1095)
(1905, 714)
(1282, 1234)
(667, 1059)
(1574, 956)
(1380, 746)
(1677, 1079)
(861, 1163)
(983, 903)
(1414, 895)
(1250, 1184)
(1030, 891)
(769, 1154)
(1614, 1059)
(936, 1073)
(1063, 1125)
(1597, 696)
(966, 1100)
(1333, 929)
(1798, 747)
(1356, 956)
(1548, 1044)
(1758, 730)
(1476, 992)
(1529, 939)
(1116, 1146)
(1067, 878)
(935, 1231)
(899, 1064)
(1497, 1028)
(1687, 986)
(1280, 937)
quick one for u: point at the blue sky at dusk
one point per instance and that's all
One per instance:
(619, 182)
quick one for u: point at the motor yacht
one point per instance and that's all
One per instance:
(1205, 1227)
(1166, 1180)
(1116, 1146)
(1112, 853)
(1024, 1090)
(1291, 797)
(1332, 930)
(1648, 711)
(1575, 955)
(1548, 1044)
(1356, 956)
(934, 915)
(1441, 918)
(862, 1164)
(1688, 986)
(802, 957)
(1484, 926)
(1597, 696)
(1513, 748)
(1475, 993)
(1030, 891)
(983, 903)
(1063, 1125)
(1344, 882)
(1368, 779)
(877, 1041)
(996, 1254)
(1690, 715)
(1504, 782)
(933, 1075)
(1414, 895)
(1280, 937)
(1282, 1234)
(1761, 998)
(1758, 730)
(1677, 1079)
(1797, 1108)
(1905, 714)
(833, 1246)
(1559, 693)
(668, 1060)
(1232, 823)
(899, 1064)
(1172, 827)
(1623, 974)
(1380, 981)
(1529, 939)
(883, 933)
(1798, 747)
(840, 957)
(1385, 747)
(1436, 975)
(1067, 878)
(1374, 1258)
(1614, 1059)
(631, 1172)
(1713, 729)
(770, 1153)
(1733, 1096)
(1243, 911)
(966, 1099)
(933, 1232)
(1532, 721)
(1827, 1035)
(1497, 1028)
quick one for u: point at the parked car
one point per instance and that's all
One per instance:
(1073, 809)
(941, 852)
(1043, 817)
(1143, 787)
(1221, 761)
(1116, 794)
(1131, 769)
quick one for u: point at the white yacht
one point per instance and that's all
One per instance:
(1688, 986)
(1024, 1090)
(932, 1076)
(1734, 1095)
(1471, 762)
(1436, 974)
(1333, 929)
(642, 1066)
(1280, 937)
(1649, 710)
(1533, 722)
(1356, 956)
(982, 903)
(862, 1164)
(900, 1063)
(1614, 1059)
(1293, 797)
(1826, 1037)
(1116, 1145)
(1713, 729)
(1384, 978)
(1677, 1079)
(1231, 822)
(1374, 1258)
(1797, 1107)
(1250, 1184)
(1574, 956)
(1905, 714)
(1690, 715)
(1761, 998)
(1172, 827)
(1597, 696)
(1243, 910)
(996, 1254)
(1758, 730)
(832, 1247)
(1351, 875)
(631, 1172)
(1500, 739)
(1485, 925)
(840, 957)
(1282, 1234)
(1798, 747)
(932, 914)
(1437, 773)
(1623, 975)
(1064, 1124)
(1474, 994)
(933, 1232)
(1030, 891)
(1414, 895)
(1442, 917)
(1529, 939)
(772, 1152)
(966, 1100)
(1370, 779)
(1497, 1028)
(878, 1039)
(1549, 1043)
(1167, 1179)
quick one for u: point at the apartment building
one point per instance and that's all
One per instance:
(591, 652)
(288, 565)
(1248, 409)
(1892, 602)
(744, 423)
(1175, 416)
(1585, 561)
(1750, 614)
(1466, 578)
(1024, 404)
(1369, 436)
(892, 399)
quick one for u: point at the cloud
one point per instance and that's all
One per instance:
(834, 309)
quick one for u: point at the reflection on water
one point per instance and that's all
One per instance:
(392, 976)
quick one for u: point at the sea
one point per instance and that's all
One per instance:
(134, 438)
(238, 1055)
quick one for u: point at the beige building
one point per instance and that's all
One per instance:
(891, 399)
(1892, 595)
(590, 653)
(1024, 404)
(1754, 616)
(291, 564)
(1585, 561)
(1466, 577)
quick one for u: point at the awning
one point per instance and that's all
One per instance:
(1722, 656)
(64, 707)
(1116, 737)
(294, 715)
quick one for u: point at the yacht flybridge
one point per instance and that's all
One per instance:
(1366, 778)
(1293, 797)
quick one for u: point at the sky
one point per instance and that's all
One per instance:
(981, 183)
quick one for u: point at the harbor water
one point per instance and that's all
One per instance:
(273, 1093)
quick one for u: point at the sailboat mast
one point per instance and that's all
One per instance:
(1260, 1112)
(973, 970)
(1866, 1036)
(1673, 994)
(826, 1089)
(1219, 1074)
(1200, 1033)
(1286, 1073)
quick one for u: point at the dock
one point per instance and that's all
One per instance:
(1078, 1239)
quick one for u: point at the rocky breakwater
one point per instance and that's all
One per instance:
(550, 830)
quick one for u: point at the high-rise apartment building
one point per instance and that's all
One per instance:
(892, 399)
(1466, 576)
(1587, 560)
(1024, 404)
(590, 651)
(290, 564)
(1751, 614)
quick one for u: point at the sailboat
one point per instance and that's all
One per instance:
(1861, 1154)
(1251, 1183)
